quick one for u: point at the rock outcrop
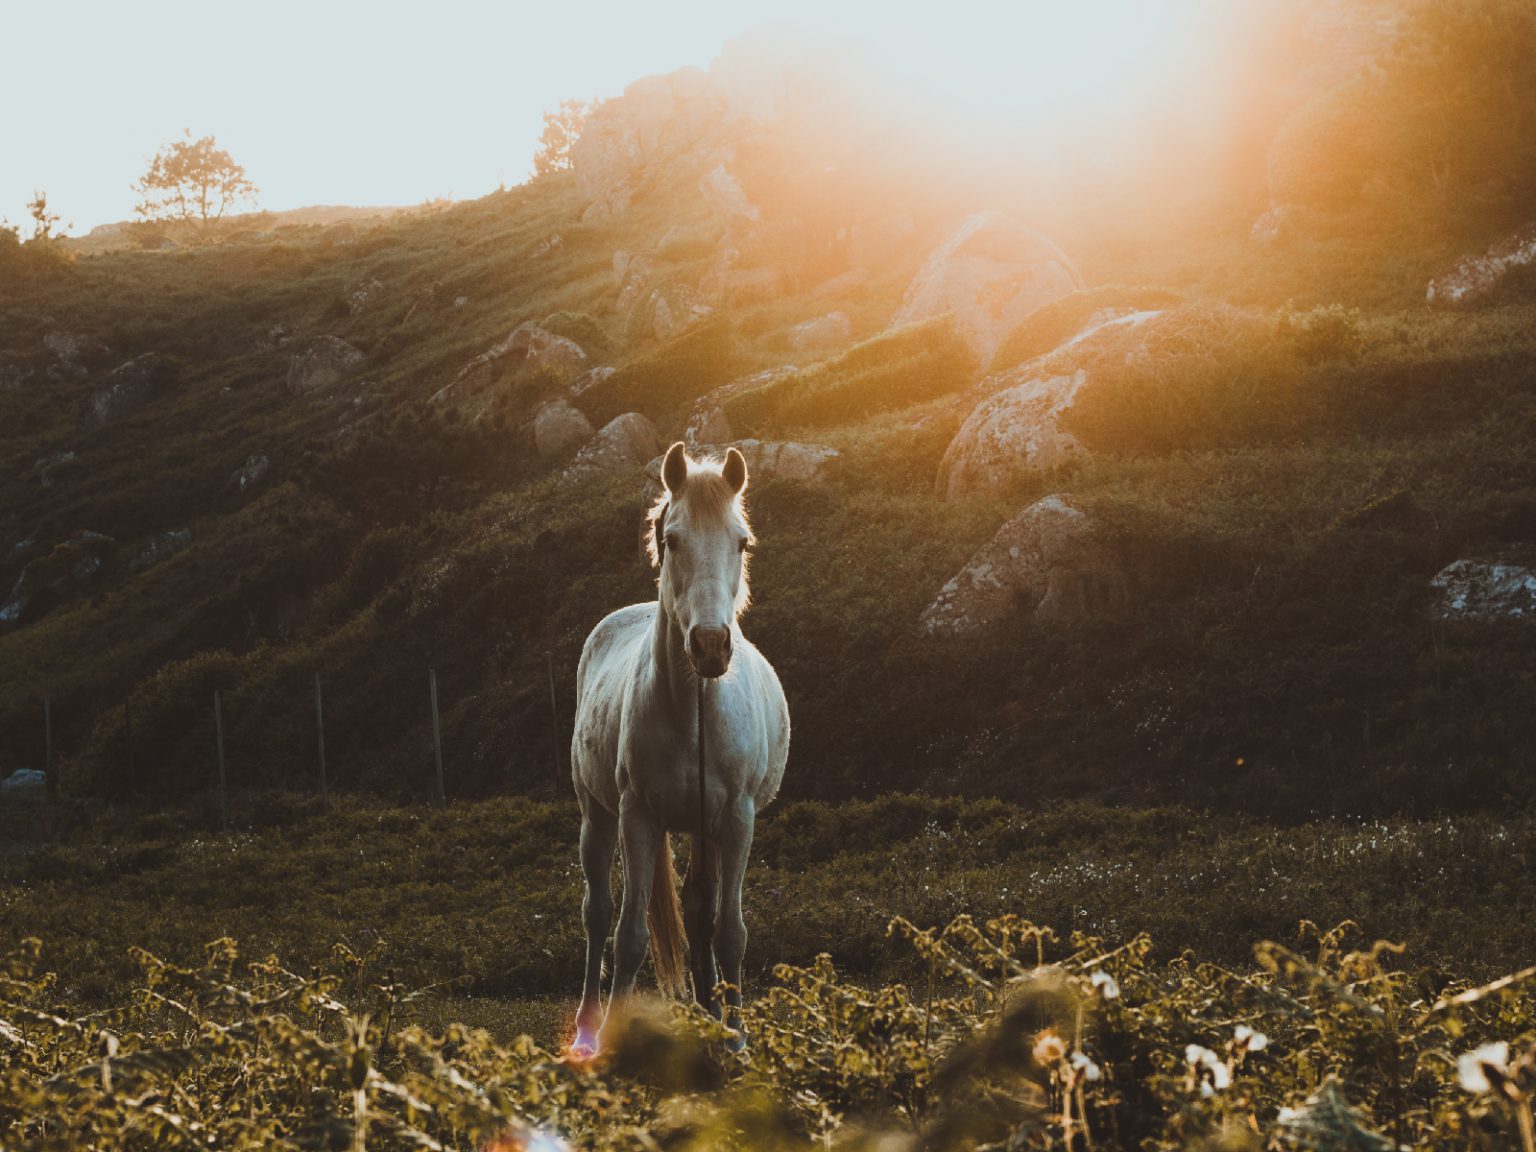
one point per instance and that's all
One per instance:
(991, 273)
(69, 568)
(1485, 590)
(1018, 427)
(559, 426)
(707, 423)
(830, 333)
(527, 344)
(1473, 279)
(249, 476)
(126, 389)
(322, 363)
(158, 548)
(624, 445)
(1047, 562)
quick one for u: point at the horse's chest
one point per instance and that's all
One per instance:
(663, 773)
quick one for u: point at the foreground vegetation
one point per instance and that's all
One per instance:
(383, 1009)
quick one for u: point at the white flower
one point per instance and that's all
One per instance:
(1472, 1066)
(1106, 985)
(1203, 1059)
(1249, 1040)
(1087, 1067)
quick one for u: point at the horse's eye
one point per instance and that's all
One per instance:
(741, 547)
(672, 543)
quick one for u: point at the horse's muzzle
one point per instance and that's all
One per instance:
(710, 651)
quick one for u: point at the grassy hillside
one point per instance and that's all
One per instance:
(1279, 476)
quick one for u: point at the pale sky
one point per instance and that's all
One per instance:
(377, 104)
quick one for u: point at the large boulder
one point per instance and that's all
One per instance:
(707, 423)
(1048, 562)
(1017, 428)
(1485, 590)
(991, 273)
(624, 445)
(651, 301)
(1473, 279)
(559, 426)
(527, 344)
(126, 389)
(322, 363)
(250, 475)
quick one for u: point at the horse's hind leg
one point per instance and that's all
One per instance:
(701, 898)
(599, 831)
(731, 930)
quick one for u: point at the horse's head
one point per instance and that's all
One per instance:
(699, 539)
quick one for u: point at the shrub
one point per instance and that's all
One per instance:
(894, 370)
(1330, 332)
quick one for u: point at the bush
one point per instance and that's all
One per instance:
(894, 370)
(1331, 332)
(583, 328)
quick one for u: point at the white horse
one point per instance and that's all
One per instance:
(635, 754)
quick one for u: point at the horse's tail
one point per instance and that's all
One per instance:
(669, 944)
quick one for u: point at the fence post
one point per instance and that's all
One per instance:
(133, 784)
(50, 779)
(437, 740)
(554, 714)
(218, 729)
(325, 787)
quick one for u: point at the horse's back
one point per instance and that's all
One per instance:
(610, 660)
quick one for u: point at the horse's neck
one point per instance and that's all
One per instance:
(673, 676)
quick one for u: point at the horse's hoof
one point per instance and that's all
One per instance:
(584, 1048)
(736, 1042)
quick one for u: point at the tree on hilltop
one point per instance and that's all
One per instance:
(192, 180)
(561, 128)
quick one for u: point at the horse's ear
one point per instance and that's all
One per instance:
(674, 469)
(735, 471)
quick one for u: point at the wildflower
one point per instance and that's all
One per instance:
(1049, 1047)
(1105, 984)
(1208, 1069)
(1472, 1067)
(1085, 1067)
(1247, 1040)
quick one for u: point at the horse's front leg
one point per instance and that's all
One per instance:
(599, 831)
(701, 898)
(731, 930)
(639, 841)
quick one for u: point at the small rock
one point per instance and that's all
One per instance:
(159, 548)
(1485, 590)
(460, 302)
(24, 782)
(547, 245)
(625, 444)
(558, 427)
(1048, 562)
(250, 474)
(827, 333)
(1274, 225)
(360, 295)
(322, 363)
(49, 467)
(726, 198)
